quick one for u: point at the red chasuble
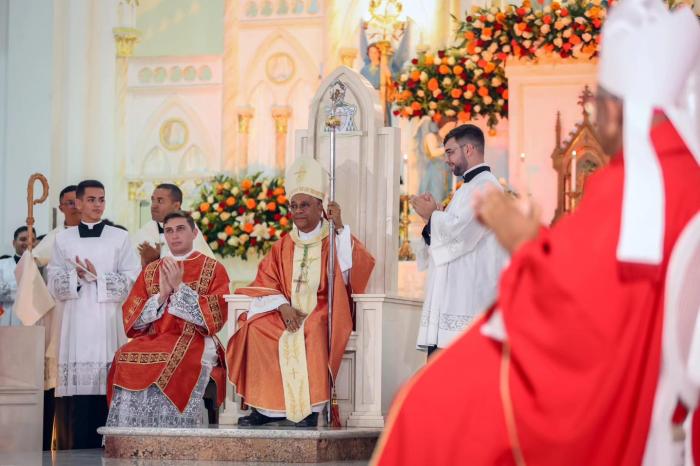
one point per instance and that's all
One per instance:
(168, 353)
(575, 382)
(252, 355)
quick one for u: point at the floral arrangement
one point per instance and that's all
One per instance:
(468, 80)
(242, 218)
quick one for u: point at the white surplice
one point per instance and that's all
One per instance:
(8, 291)
(92, 328)
(150, 234)
(464, 262)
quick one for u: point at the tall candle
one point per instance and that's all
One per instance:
(573, 172)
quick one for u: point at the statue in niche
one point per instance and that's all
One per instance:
(371, 56)
(433, 172)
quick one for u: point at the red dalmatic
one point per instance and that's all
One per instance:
(575, 381)
(168, 353)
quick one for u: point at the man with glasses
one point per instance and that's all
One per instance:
(279, 359)
(463, 258)
(91, 272)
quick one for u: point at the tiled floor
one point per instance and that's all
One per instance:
(94, 458)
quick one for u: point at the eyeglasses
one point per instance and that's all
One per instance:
(294, 207)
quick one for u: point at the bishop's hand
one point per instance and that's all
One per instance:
(334, 215)
(291, 317)
(513, 221)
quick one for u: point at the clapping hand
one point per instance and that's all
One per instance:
(424, 205)
(81, 271)
(148, 253)
(171, 273)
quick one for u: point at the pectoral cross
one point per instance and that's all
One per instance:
(304, 270)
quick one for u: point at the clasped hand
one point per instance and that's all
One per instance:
(292, 318)
(424, 205)
(83, 266)
(171, 273)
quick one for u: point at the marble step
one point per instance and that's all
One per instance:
(255, 444)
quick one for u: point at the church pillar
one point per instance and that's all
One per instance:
(125, 37)
(281, 116)
(230, 130)
(347, 56)
(245, 114)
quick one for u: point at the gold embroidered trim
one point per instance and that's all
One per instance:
(213, 302)
(176, 356)
(148, 273)
(206, 275)
(135, 304)
(143, 358)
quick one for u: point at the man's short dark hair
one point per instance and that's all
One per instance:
(179, 214)
(468, 134)
(66, 190)
(83, 185)
(175, 191)
(21, 230)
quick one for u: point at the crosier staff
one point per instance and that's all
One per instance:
(31, 202)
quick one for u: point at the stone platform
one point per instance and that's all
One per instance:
(226, 443)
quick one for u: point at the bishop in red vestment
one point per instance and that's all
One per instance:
(563, 368)
(172, 315)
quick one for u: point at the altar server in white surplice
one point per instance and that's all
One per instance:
(8, 282)
(149, 240)
(92, 269)
(463, 258)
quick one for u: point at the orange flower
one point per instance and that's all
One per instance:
(521, 26)
(272, 231)
(463, 116)
(456, 93)
(251, 204)
(248, 228)
(230, 201)
(471, 48)
(487, 32)
(282, 199)
(481, 63)
(278, 191)
(433, 84)
(219, 208)
(555, 6)
(575, 40)
(505, 94)
(204, 207)
(489, 67)
(246, 184)
(228, 230)
(548, 48)
(437, 118)
(429, 60)
(219, 187)
(415, 106)
(469, 35)
(483, 91)
(458, 70)
(500, 17)
(271, 206)
(471, 87)
(284, 221)
(443, 69)
(415, 75)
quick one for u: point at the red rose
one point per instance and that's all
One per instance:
(563, 54)
(414, 61)
(253, 241)
(469, 19)
(210, 226)
(277, 217)
(241, 210)
(498, 26)
(221, 242)
(482, 18)
(468, 108)
(441, 96)
(521, 11)
(563, 12)
(396, 112)
(441, 53)
(412, 84)
(269, 193)
(480, 43)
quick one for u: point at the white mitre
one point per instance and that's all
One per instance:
(647, 55)
(306, 176)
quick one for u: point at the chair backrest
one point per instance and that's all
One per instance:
(681, 343)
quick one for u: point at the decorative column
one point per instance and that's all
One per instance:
(245, 114)
(347, 56)
(386, 53)
(230, 132)
(281, 116)
(125, 36)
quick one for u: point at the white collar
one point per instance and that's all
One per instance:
(312, 234)
(184, 256)
(90, 225)
(483, 164)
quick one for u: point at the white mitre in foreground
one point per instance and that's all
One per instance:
(647, 56)
(306, 176)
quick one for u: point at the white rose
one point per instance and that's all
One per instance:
(501, 102)
(244, 238)
(450, 112)
(527, 43)
(468, 95)
(436, 93)
(477, 108)
(451, 60)
(545, 29)
(437, 61)
(493, 11)
(210, 199)
(404, 77)
(262, 205)
(461, 82)
(196, 215)
(446, 82)
(423, 76)
(580, 20)
(488, 100)
(227, 185)
(420, 93)
(506, 48)
(495, 82)
(205, 221)
(567, 33)
(493, 47)
(225, 216)
(431, 112)
(527, 35)
(586, 37)
(222, 235)
(478, 50)
(432, 105)
(455, 102)
(567, 20)
(235, 190)
(232, 241)
(214, 245)
(558, 42)
(548, 9)
(478, 71)
(490, 18)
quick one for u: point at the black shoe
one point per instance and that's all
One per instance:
(257, 419)
(309, 421)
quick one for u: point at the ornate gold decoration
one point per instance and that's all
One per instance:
(126, 39)
(280, 68)
(31, 201)
(405, 251)
(134, 188)
(244, 116)
(584, 149)
(281, 116)
(174, 134)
